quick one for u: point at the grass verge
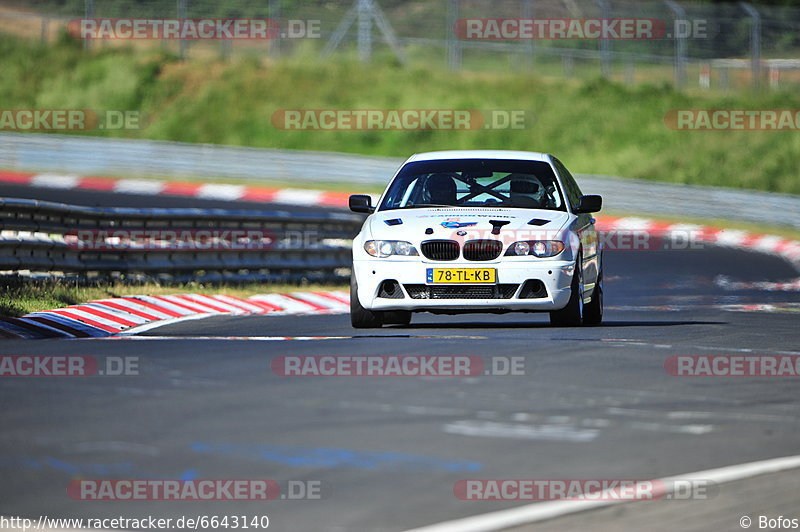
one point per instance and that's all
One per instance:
(595, 126)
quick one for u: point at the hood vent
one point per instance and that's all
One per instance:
(497, 225)
(538, 222)
(394, 221)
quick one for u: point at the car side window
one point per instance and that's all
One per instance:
(573, 191)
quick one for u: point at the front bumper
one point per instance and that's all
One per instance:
(555, 275)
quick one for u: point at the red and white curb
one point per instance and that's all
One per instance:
(761, 243)
(216, 191)
(132, 314)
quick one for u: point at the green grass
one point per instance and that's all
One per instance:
(18, 298)
(595, 126)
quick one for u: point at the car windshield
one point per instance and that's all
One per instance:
(474, 183)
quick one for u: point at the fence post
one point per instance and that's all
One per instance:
(88, 13)
(274, 44)
(364, 30)
(527, 13)
(605, 45)
(453, 45)
(680, 44)
(182, 44)
(755, 42)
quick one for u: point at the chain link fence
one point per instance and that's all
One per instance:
(696, 44)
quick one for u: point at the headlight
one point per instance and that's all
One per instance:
(386, 248)
(537, 248)
(404, 248)
(521, 248)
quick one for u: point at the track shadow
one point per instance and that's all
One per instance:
(545, 325)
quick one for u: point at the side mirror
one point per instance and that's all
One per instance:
(361, 203)
(589, 204)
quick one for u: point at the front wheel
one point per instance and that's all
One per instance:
(572, 314)
(360, 317)
(593, 312)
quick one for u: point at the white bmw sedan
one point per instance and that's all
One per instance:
(478, 231)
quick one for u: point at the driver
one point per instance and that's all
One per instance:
(441, 189)
(525, 193)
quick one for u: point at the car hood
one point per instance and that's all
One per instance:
(509, 225)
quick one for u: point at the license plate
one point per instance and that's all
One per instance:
(461, 275)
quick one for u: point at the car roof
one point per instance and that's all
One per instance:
(479, 154)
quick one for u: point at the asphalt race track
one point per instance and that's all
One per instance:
(386, 451)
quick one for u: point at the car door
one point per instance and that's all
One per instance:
(585, 228)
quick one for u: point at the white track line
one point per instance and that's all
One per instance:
(543, 511)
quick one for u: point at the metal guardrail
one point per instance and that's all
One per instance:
(146, 158)
(268, 245)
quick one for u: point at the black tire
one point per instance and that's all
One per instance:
(593, 312)
(572, 314)
(361, 318)
(396, 317)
